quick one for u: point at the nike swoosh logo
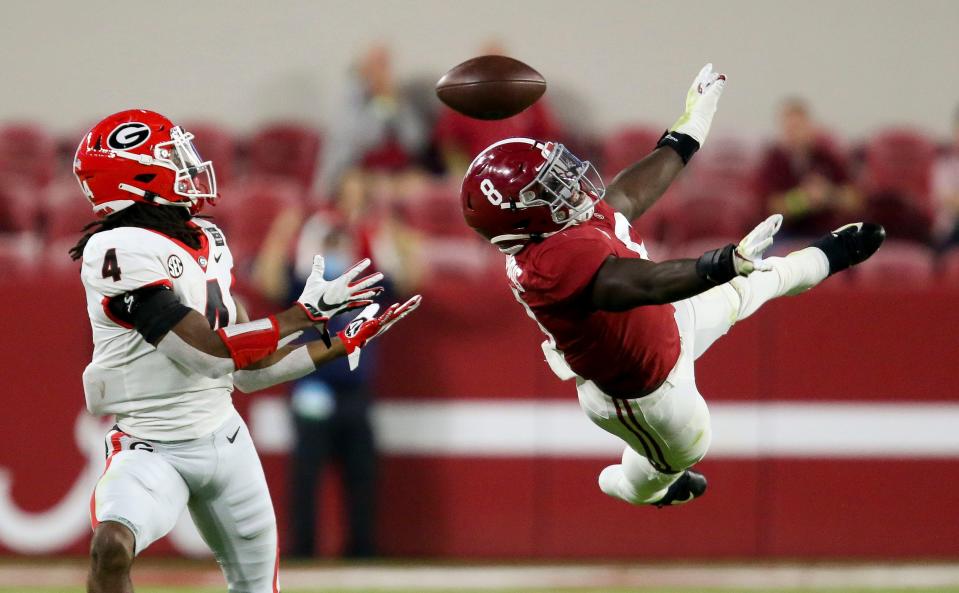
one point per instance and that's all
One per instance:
(217, 257)
(325, 306)
(233, 438)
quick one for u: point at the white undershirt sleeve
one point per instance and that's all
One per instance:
(294, 365)
(196, 360)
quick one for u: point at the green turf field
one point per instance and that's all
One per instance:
(604, 590)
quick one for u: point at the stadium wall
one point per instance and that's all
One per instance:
(862, 63)
(834, 412)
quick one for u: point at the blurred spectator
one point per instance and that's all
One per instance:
(376, 126)
(331, 407)
(945, 189)
(803, 177)
(460, 138)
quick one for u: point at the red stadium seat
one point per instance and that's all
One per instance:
(27, 151)
(949, 267)
(20, 204)
(709, 211)
(19, 254)
(899, 161)
(898, 264)
(216, 144)
(694, 249)
(65, 211)
(725, 161)
(435, 210)
(285, 150)
(626, 147)
(247, 211)
(902, 215)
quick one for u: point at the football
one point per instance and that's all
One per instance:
(490, 87)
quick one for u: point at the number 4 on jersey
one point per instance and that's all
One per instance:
(216, 312)
(111, 268)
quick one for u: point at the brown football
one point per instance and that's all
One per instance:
(490, 87)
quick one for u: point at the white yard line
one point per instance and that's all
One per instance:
(558, 428)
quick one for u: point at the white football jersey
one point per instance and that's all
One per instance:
(152, 396)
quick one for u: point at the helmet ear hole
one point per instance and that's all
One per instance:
(145, 177)
(522, 224)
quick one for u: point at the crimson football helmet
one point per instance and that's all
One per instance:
(141, 156)
(521, 189)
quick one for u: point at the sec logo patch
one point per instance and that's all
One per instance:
(175, 266)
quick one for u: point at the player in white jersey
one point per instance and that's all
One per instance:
(170, 344)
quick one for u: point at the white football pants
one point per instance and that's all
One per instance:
(668, 430)
(147, 484)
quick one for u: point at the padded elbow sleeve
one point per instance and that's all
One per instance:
(151, 310)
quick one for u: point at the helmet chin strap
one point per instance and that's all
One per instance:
(514, 249)
(156, 199)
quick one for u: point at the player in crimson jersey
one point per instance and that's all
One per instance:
(170, 343)
(626, 329)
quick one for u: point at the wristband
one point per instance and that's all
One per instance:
(684, 145)
(251, 341)
(717, 266)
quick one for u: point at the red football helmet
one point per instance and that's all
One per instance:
(140, 156)
(520, 189)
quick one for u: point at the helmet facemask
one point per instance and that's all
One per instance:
(194, 178)
(569, 187)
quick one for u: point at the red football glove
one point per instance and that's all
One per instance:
(367, 326)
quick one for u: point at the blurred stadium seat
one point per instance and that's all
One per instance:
(626, 147)
(19, 254)
(903, 216)
(27, 151)
(20, 202)
(65, 211)
(286, 150)
(219, 145)
(899, 160)
(708, 211)
(949, 267)
(249, 209)
(725, 162)
(898, 264)
(695, 248)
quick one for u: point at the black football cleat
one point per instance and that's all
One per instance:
(850, 244)
(690, 485)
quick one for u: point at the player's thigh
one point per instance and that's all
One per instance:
(670, 427)
(706, 317)
(235, 516)
(142, 491)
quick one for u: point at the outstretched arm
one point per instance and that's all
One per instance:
(624, 283)
(295, 361)
(637, 187)
(185, 336)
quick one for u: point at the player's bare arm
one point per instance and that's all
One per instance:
(637, 187)
(623, 283)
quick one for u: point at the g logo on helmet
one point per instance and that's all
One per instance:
(128, 135)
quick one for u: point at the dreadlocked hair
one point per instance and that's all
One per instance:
(169, 220)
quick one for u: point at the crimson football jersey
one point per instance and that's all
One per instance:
(628, 353)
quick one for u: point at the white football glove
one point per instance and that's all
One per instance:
(323, 299)
(748, 255)
(367, 326)
(701, 101)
